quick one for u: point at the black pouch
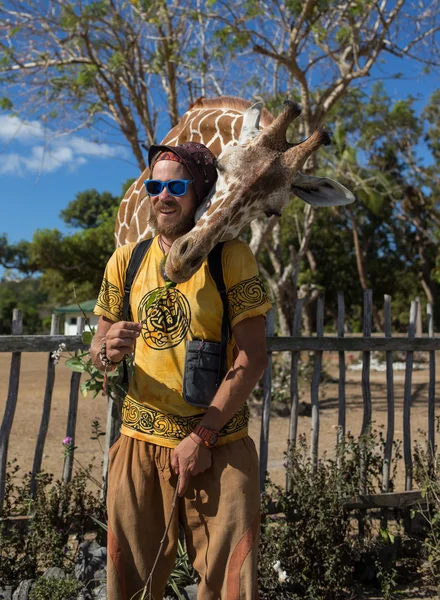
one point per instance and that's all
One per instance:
(203, 372)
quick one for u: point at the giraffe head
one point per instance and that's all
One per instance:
(257, 176)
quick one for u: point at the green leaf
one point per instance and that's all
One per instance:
(75, 364)
(87, 337)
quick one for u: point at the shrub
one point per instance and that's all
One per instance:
(58, 511)
(49, 588)
(306, 551)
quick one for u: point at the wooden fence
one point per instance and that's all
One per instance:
(16, 343)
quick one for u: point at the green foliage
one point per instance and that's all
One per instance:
(307, 550)
(26, 295)
(58, 511)
(427, 478)
(90, 209)
(51, 588)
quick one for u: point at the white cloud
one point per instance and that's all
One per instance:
(13, 128)
(69, 151)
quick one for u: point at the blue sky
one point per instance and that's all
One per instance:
(38, 180)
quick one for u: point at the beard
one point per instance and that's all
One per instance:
(172, 230)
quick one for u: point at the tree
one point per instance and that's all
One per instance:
(111, 62)
(65, 262)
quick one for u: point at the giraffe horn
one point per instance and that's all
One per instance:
(296, 156)
(278, 129)
(251, 123)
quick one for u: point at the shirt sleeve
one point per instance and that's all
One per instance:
(111, 294)
(246, 294)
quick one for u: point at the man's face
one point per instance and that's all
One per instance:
(173, 216)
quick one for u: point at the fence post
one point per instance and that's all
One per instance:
(431, 388)
(407, 400)
(11, 404)
(341, 383)
(111, 435)
(390, 399)
(47, 402)
(366, 391)
(314, 388)
(75, 380)
(267, 398)
(294, 393)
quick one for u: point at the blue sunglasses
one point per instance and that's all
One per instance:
(176, 187)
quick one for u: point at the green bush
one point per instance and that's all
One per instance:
(49, 588)
(306, 550)
(58, 511)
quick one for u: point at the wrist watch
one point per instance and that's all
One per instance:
(209, 436)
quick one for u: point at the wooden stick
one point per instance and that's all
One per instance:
(341, 383)
(407, 401)
(11, 404)
(40, 343)
(294, 394)
(314, 388)
(111, 435)
(75, 381)
(431, 388)
(47, 403)
(352, 344)
(390, 400)
(267, 398)
(366, 391)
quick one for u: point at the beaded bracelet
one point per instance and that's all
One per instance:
(104, 358)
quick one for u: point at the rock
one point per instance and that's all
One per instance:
(84, 594)
(191, 591)
(23, 590)
(304, 409)
(55, 573)
(100, 593)
(6, 593)
(92, 558)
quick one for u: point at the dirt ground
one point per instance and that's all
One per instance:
(31, 391)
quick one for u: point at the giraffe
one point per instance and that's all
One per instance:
(258, 171)
(215, 123)
(256, 176)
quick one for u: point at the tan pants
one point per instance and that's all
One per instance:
(220, 514)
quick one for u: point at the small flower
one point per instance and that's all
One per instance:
(67, 441)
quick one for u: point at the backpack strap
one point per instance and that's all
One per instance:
(216, 270)
(133, 266)
(137, 255)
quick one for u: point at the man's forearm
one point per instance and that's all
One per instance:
(234, 390)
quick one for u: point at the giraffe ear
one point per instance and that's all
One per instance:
(321, 191)
(251, 123)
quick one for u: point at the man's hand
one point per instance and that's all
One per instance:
(189, 459)
(121, 338)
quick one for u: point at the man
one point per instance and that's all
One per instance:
(163, 437)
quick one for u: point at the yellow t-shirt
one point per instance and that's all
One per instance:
(154, 409)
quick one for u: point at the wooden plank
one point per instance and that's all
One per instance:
(294, 394)
(111, 435)
(314, 388)
(390, 400)
(366, 391)
(431, 387)
(47, 403)
(47, 343)
(351, 344)
(11, 404)
(390, 500)
(40, 343)
(75, 381)
(267, 398)
(341, 383)
(407, 456)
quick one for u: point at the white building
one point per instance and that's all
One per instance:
(72, 312)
